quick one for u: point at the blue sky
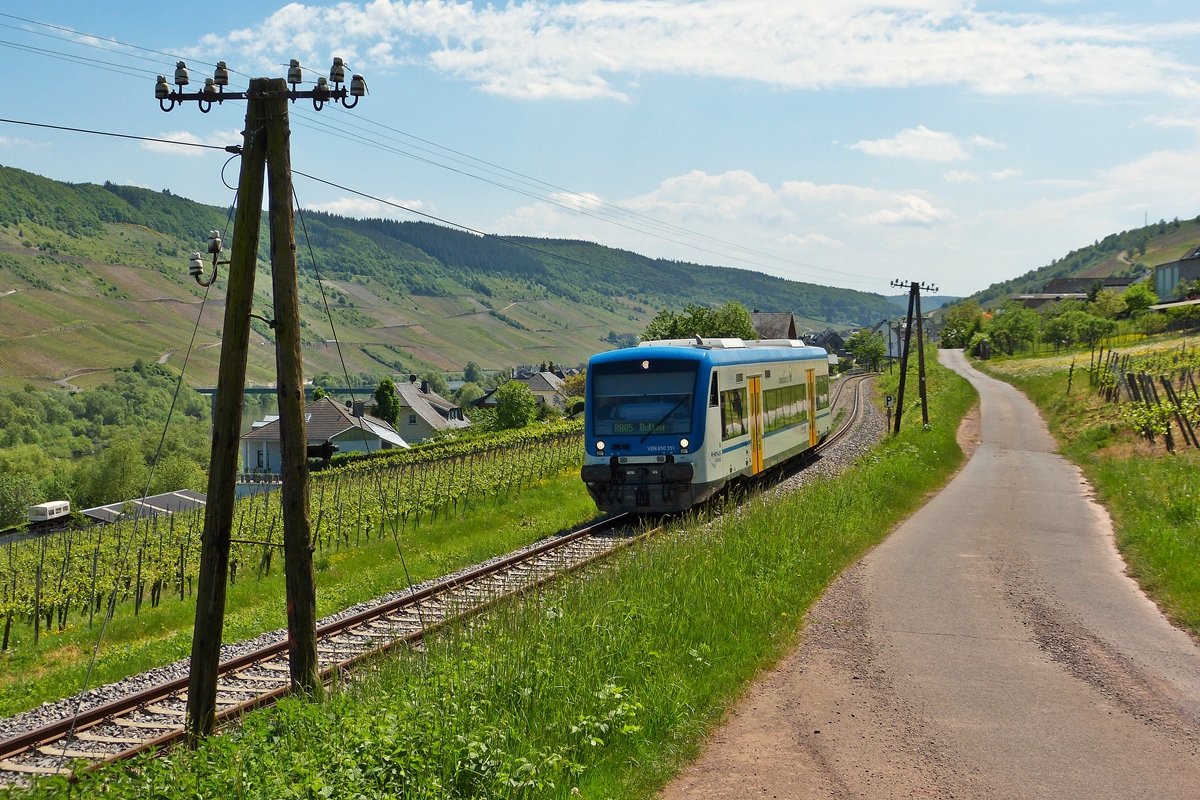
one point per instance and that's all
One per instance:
(846, 142)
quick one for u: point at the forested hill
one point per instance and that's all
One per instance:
(1129, 252)
(432, 260)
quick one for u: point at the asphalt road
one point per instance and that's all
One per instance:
(992, 646)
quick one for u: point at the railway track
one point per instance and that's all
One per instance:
(154, 718)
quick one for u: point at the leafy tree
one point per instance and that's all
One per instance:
(516, 405)
(1139, 297)
(17, 493)
(869, 349)
(1188, 290)
(1092, 329)
(468, 393)
(1060, 331)
(318, 393)
(474, 373)
(387, 402)
(1108, 304)
(437, 382)
(1012, 325)
(731, 320)
(574, 385)
(962, 322)
(1150, 322)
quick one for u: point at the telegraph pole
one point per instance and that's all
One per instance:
(914, 305)
(222, 469)
(289, 367)
(266, 148)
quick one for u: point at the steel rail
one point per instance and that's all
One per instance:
(158, 711)
(152, 702)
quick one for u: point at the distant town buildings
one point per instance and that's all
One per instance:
(326, 420)
(1061, 289)
(1168, 277)
(774, 325)
(424, 412)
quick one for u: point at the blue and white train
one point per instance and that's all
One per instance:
(669, 423)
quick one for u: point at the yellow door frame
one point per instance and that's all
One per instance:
(756, 425)
(812, 407)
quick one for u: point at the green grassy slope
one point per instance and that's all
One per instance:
(99, 274)
(1128, 252)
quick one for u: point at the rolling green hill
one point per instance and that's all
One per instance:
(1126, 253)
(93, 277)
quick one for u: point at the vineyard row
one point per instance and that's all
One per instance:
(117, 568)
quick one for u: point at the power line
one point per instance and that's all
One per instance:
(477, 232)
(816, 272)
(229, 149)
(599, 209)
(69, 40)
(107, 39)
(108, 66)
(596, 201)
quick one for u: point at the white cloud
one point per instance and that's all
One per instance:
(960, 176)
(775, 229)
(6, 141)
(919, 143)
(538, 48)
(362, 208)
(1004, 174)
(983, 141)
(810, 239)
(218, 138)
(911, 211)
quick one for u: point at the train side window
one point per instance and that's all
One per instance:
(733, 414)
(713, 396)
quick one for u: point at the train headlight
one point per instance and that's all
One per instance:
(683, 443)
(599, 447)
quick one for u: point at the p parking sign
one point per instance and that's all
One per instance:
(889, 401)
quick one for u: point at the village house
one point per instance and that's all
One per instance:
(347, 426)
(423, 412)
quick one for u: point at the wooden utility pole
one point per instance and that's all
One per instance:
(289, 367)
(227, 419)
(266, 148)
(904, 358)
(914, 308)
(916, 293)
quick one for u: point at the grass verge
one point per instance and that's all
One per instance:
(54, 669)
(602, 685)
(1152, 496)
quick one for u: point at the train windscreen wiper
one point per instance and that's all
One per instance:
(664, 418)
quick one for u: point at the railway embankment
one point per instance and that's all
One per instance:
(1152, 494)
(602, 685)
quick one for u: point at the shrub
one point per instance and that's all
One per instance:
(515, 405)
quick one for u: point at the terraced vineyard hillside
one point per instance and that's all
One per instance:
(94, 277)
(1126, 253)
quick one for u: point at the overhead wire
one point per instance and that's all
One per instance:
(113, 134)
(600, 214)
(592, 200)
(123, 561)
(353, 397)
(85, 44)
(108, 39)
(108, 66)
(583, 204)
(477, 232)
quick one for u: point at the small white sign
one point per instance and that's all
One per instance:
(889, 401)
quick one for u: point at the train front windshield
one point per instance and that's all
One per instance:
(644, 397)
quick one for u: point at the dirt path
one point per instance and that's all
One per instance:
(991, 647)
